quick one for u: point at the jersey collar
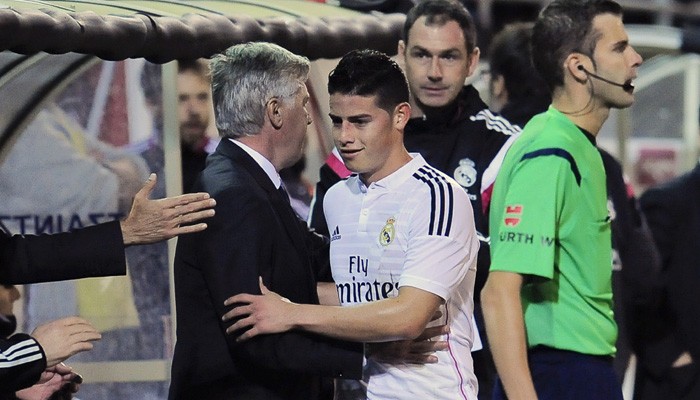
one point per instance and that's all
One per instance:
(398, 177)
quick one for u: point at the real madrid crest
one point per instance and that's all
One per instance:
(386, 236)
(465, 174)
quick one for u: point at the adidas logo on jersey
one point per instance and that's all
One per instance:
(336, 234)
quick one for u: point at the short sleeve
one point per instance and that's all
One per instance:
(442, 244)
(524, 228)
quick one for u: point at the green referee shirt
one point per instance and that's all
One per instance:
(549, 222)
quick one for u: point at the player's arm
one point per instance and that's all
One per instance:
(398, 318)
(441, 257)
(505, 328)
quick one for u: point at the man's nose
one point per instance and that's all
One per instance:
(344, 134)
(435, 72)
(637, 60)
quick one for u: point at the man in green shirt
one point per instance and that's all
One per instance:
(548, 299)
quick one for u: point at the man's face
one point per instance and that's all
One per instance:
(194, 106)
(436, 62)
(365, 135)
(297, 119)
(615, 60)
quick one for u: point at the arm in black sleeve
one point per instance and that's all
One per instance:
(89, 252)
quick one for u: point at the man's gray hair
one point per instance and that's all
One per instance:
(245, 77)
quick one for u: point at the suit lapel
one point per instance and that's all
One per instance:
(284, 210)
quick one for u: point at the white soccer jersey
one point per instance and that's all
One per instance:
(413, 228)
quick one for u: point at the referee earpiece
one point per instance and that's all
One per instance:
(581, 68)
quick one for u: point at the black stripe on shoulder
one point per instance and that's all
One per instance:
(557, 152)
(442, 199)
(420, 175)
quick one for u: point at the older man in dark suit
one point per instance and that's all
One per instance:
(260, 97)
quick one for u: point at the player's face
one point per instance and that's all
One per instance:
(615, 60)
(297, 118)
(194, 106)
(436, 62)
(369, 138)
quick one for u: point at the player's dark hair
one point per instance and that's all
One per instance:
(369, 73)
(565, 27)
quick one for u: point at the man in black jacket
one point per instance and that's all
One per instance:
(670, 349)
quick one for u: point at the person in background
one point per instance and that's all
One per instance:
(548, 297)
(194, 112)
(519, 93)
(299, 189)
(668, 361)
(516, 90)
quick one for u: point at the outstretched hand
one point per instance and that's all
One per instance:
(65, 337)
(151, 221)
(259, 314)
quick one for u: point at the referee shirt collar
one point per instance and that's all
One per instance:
(398, 177)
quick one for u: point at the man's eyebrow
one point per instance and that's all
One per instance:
(359, 117)
(417, 47)
(452, 51)
(621, 45)
(351, 118)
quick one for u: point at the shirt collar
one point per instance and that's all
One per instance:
(399, 176)
(263, 162)
(588, 135)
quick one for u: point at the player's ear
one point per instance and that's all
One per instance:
(402, 113)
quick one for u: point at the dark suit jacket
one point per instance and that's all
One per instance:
(673, 212)
(89, 252)
(254, 233)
